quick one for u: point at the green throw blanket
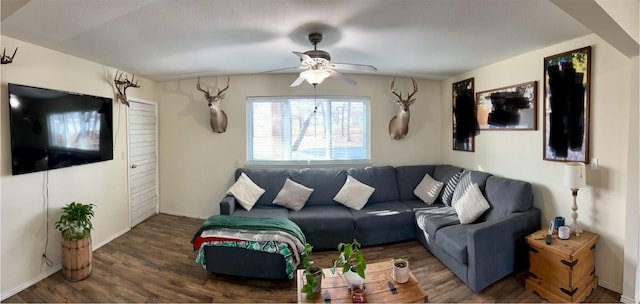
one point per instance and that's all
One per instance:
(250, 223)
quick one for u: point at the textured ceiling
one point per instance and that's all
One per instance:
(177, 39)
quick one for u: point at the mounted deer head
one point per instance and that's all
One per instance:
(218, 118)
(399, 124)
(8, 59)
(123, 85)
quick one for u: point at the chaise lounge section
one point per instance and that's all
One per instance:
(479, 253)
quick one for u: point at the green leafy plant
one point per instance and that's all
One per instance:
(75, 220)
(350, 258)
(311, 272)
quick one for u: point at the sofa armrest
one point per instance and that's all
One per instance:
(497, 248)
(227, 205)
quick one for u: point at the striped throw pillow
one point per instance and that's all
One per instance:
(462, 187)
(447, 193)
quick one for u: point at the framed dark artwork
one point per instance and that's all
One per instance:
(465, 123)
(566, 106)
(508, 108)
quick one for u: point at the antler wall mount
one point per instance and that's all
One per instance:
(8, 59)
(217, 117)
(399, 124)
(123, 85)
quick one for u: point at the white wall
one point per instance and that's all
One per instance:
(518, 154)
(23, 210)
(197, 165)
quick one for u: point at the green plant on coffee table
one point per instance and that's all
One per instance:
(75, 221)
(312, 285)
(350, 258)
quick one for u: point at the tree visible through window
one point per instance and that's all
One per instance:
(308, 129)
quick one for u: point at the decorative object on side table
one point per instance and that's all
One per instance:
(75, 225)
(400, 272)
(563, 271)
(574, 178)
(352, 263)
(313, 274)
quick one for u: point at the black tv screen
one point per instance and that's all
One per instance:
(53, 129)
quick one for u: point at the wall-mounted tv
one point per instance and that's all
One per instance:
(53, 129)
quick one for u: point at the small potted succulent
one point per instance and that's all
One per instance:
(351, 262)
(313, 274)
(400, 270)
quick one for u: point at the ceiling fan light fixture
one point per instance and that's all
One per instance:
(315, 76)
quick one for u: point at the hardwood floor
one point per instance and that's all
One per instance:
(154, 262)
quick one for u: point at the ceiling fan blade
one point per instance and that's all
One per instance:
(297, 82)
(305, 58)
(345, 79)
(354, 67)
(289, 69)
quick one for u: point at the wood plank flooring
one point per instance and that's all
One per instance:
(154, 262)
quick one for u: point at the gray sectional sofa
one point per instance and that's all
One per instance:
(479, 253)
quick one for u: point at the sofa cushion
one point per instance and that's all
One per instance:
(354, 194)
(260, 211)
(469, 177)
(269, 179)
(379, 223)
(408, 178)
(326, 225)
(325, 182)
(453, 240)
(450, 188)
(245, 191)
(293, 195)
(444, 173)
(506, 196)
(428, 189)
(471, 205)
(432, 219)
(382, 178)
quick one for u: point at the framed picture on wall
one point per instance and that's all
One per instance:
(465, 124)
(566, 106)
(508, 108)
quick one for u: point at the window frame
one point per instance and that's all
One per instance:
(366, 100)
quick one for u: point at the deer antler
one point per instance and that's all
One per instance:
(409, 96)
(123, 85)
(8, 59)
(208, 96)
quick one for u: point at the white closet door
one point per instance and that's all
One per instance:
(143, 159)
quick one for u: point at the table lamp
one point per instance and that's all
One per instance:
(574, 178)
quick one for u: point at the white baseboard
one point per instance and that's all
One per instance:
(55, 268)
(625, 299)
(610, 286)
(28, 284)
(198, 216)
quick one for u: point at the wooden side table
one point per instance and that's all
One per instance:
(565, 270)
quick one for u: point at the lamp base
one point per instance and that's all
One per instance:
(575, 226)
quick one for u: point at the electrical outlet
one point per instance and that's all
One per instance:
(594, 163)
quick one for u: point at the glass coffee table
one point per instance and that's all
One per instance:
(376, 282)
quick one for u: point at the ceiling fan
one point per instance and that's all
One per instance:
(318, 66)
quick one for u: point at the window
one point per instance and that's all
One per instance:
(308, 130)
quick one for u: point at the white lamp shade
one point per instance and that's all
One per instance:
(574, 175)
(314, 76)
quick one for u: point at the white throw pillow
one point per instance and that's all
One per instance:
(292, 195)
(428, 189)
(471, 205)
(354, 194)
(245, 191)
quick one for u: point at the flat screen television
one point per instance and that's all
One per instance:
(53, 129)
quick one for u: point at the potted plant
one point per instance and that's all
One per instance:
(75, 225)
(312, 273)
(351, 262)
(400, 270)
